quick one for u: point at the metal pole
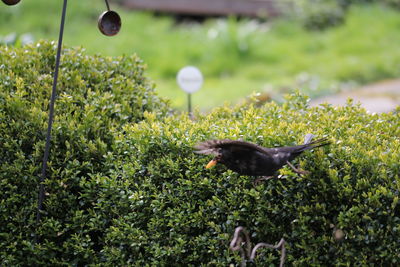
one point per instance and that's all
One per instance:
(51, 118)
(190, 104)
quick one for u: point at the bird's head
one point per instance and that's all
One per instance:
(211, 147)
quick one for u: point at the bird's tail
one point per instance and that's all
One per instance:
(308, 138)
(314, 144)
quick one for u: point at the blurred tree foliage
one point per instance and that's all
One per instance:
(321, 14)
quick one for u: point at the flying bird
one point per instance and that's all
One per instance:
(247, 158)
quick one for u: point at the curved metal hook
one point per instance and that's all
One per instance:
(280, 245)
(237, 241)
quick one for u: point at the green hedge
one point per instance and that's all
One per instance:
(129, 191)
(187, 214)
(96, 97)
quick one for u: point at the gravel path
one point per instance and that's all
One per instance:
(378, 97)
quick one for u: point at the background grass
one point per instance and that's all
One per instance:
(237, 58)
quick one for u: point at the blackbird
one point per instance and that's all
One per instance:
(250, 159)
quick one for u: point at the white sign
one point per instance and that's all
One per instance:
(190, 79)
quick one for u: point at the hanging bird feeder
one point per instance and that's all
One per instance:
(109, 23)
(10, 2)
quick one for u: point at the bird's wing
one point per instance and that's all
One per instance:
(214, 146)
(209, 147)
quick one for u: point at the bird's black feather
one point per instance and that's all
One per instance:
(250, 159)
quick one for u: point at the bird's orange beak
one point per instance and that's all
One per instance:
(212, 163)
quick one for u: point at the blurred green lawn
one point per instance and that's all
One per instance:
(236, 58)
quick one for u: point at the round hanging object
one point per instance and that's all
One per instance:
(11, 2)
(109, 23)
